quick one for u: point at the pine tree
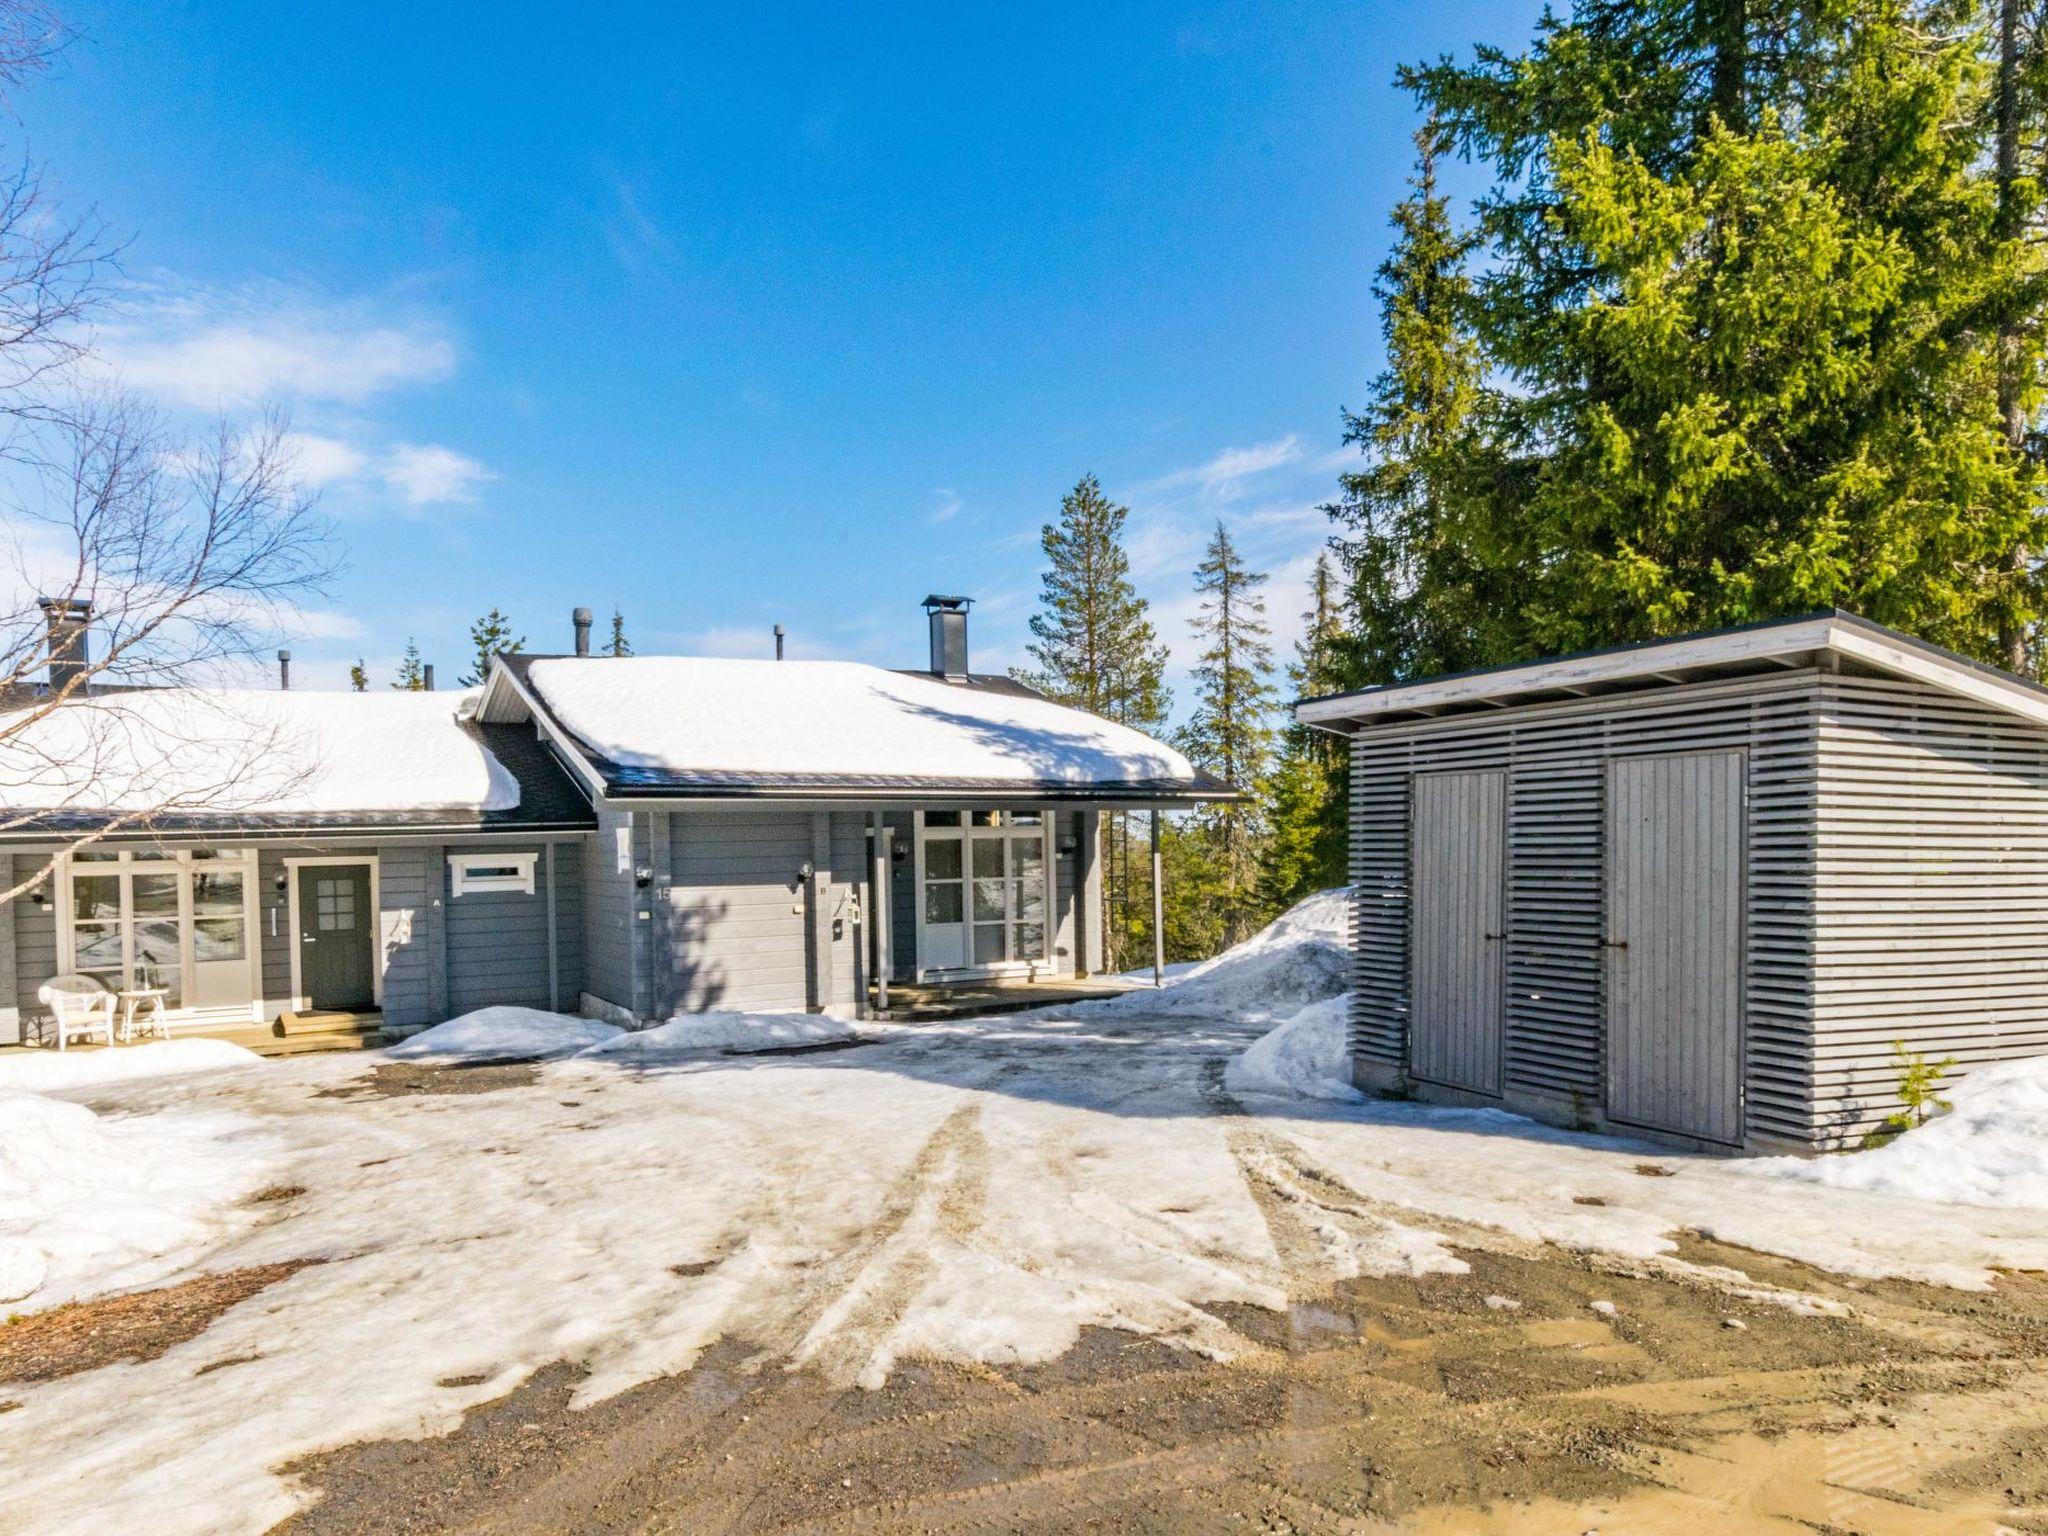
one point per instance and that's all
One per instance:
(1305, 848)
(1230, 732)
(359, 676)
(1743, 276)
(412, 671)
(1423, 596)
(491, 635)
(620, 645)
(1096, 649)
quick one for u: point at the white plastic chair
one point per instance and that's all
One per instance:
(80, 1005)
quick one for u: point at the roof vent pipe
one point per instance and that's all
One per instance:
(70, 650)
(948, 616)
(778, 642)
(284, 670)
(581, 619)
(427, 677)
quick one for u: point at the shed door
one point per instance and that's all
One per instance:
(1457, 938)
(1675, 839)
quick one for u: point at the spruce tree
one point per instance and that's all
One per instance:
(412, 671)
(1305, 847)
(359, 676)
(1096, 650)
(619, 646)
(1230, 732)
(1744, 270)
(491, 635)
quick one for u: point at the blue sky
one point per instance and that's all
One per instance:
(764, 314)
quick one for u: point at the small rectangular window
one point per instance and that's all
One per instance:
(470, 873)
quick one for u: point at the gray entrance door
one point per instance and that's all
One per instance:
(1675, 839)
(1457, 936)
(337, 937)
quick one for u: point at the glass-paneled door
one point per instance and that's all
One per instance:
(178, 920)
(985, 890)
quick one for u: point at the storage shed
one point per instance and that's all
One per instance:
(1698, 887)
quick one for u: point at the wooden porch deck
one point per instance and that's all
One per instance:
(913, 1002)
(293, 1034)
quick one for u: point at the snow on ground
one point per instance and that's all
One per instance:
(91, 1203)
(54, 1071)
(1301, 958)
(1307, 1056)
(978, 1190)
(692, 1034)
(1990, 1150)
(505, 1034)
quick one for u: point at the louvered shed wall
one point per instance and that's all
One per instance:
(1933, 912)
(1555, 756)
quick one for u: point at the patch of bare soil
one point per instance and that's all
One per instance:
(406, 1079)
(84, 1335)
(1417, 1404)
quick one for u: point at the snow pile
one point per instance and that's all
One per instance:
(1301, 957)
(1990, 1150)
(243, 752)
(689, 715)
(62, 1071)
(1309, 1055)
(90, 1204)
(692, 1034)
(505, 1034)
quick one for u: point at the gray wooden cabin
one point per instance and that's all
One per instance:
(618, 891)
(1698, 887)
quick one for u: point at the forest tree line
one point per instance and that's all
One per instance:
(1746, 322)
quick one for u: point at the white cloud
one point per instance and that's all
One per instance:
(231, 350)
(319, 461)
(1222, 475)
(949, 504)
(424, 474)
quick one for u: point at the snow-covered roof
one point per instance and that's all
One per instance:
(1725, 653)
(248, 754)
(686, 723)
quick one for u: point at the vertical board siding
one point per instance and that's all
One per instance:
(902, 893)
(35, 946)
(406, 887)
(611, 903)
(1555, 758)
(1458, 835)
(497, 949)
(1063, 936)
(737, 915)
(569, 919)
(1932, 923)
(1676, 849)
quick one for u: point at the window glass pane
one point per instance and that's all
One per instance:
(156, 944)
(988, 901)
(166, 978)
(988, 943)
(156, 896)
(98, 946)
(95, 856)
(218, 938)
(215, 853)
(988, 858)
(94, 896)
(1028, 856)
(942, 860)
(942, 903)
(217, 891)
(988, 818)
(1030, 900)
(942, 818)
(1027, 818)
(1030, 942)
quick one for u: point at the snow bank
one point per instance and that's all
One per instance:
(62, 1071)
(90, 1204)
(703, 715)
(691, 1034)
(1308, 1056)
(1301, 957)
(1990, 1150)
(244, 751)
(505, 1034)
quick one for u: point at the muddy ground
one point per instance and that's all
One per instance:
(1415, 1404)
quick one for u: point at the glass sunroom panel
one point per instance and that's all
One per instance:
(988, 901)
(97, 948)
(1030, 941)
(942, 902)
(217, 892)
(156, 896)
(942, 860)
(988, 943)
(219, 938)
(95, 896)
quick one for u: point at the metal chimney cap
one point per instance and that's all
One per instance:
(948, 604)
(580, 616)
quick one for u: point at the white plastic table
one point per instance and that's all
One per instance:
(131, 1003)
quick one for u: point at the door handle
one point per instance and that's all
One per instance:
(1614, 943)
(1496, 936)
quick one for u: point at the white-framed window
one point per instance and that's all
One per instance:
(469, 872)
(180, 920)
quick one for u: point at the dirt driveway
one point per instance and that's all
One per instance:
(1414, 1404)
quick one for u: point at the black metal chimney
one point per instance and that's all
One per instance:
(948, 616)
(778, 642)
(581, 619)
(68, 619)
(284, 670)
(427, 677)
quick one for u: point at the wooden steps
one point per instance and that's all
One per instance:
(299, 1034)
